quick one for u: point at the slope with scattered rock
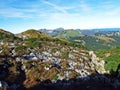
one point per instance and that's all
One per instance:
(39, 58)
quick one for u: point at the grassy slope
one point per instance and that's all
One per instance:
(111, 57)
(68, 34)
(7, 36)
(35, 34)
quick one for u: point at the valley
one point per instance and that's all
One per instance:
(92, 39)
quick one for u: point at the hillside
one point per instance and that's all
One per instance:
(100, 40)
(92, 39)
(67, 34)
(5, 32)
(6, 36)
(39, 61)
(111, 57)
(34, 34)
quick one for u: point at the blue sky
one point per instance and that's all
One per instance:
(19, 15)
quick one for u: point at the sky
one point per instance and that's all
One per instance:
(19, 15)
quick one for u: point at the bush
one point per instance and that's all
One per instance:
(55, 77)
(65, 54)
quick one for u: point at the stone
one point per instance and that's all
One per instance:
(71, 56)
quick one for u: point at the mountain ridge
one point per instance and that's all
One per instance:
(93, 39)
(83, 31)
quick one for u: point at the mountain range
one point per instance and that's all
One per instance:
(92, 39)
(54, 32)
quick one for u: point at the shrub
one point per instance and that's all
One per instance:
(55, 77)
(65, 54)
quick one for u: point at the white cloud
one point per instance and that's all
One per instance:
(19, 11)
(59, 8)
(15, 13)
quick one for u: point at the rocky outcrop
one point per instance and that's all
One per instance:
(28, 64)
